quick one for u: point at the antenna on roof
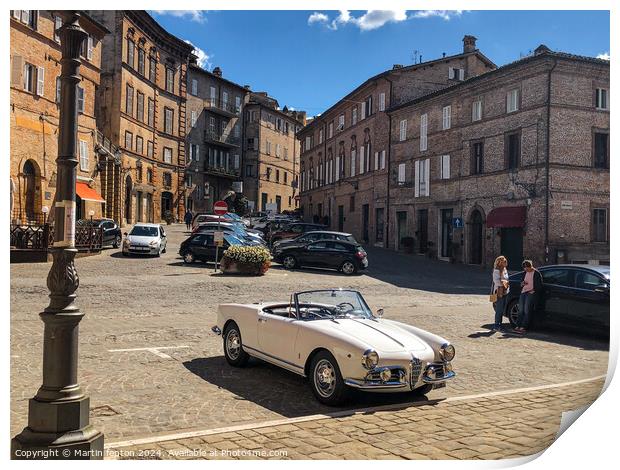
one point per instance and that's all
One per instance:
(414, 56)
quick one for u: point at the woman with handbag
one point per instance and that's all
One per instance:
(499, 289)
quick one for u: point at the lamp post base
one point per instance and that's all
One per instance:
(58, 430)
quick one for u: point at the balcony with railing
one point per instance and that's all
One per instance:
(224, 139)
(225, 108)
(218, 170)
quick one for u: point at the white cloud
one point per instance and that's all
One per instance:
(445, 14)
(204, 59)
(603, 55)
(317, 17)
(194, 15)
(374, 19)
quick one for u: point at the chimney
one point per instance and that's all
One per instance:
(469, 44)
(217, 72)
(397, 66)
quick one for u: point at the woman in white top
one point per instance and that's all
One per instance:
(500, 287)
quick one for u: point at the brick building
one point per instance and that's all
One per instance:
(345, 152)
(271, 153)
(34, 114)
(142, 110)
(214, 137)
(514, 161)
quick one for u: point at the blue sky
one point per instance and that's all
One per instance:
(309, 59)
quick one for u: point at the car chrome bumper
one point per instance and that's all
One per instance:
(435, 373)
(215, 329)
(438, 372)
(373, 381)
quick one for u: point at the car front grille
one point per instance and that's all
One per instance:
(439, 368)
(397, 375)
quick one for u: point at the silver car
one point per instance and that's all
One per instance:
(145, 239)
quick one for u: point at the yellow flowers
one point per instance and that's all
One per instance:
(248, 254)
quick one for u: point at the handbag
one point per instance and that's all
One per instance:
(492, 295)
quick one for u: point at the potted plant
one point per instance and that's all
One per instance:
(407, 244)
(239, 259)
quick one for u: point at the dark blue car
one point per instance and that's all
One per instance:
(575, 297)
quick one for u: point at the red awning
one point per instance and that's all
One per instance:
(87, 193)
(507, 217)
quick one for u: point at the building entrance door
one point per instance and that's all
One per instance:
(422, 230)
(446, 233)
(341, 218)
(139, 208)
(401, 228)
(166, 203)
(512, 246)
(128, 187)
(149, 207)
(475, 238)
(365, 214)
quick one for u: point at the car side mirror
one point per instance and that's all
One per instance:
(379, 313)
(602, 289)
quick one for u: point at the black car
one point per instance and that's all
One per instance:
(111, 232)
(346, 257)
(309, 237)
(201, 247)
(574, 297)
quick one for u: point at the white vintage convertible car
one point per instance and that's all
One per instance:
(332, 337)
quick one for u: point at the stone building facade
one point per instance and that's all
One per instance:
(34, 114)
(214, 137)
(345, 152)
(142, 110)
(271, 154)
(513, 162)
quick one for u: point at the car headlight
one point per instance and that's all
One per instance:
(448, 352)
(154, 243)
(370, 359)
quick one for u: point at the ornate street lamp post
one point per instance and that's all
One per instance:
(58, 421)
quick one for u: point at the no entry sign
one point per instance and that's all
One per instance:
(220, 207)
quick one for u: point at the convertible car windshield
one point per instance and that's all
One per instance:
(329, 304)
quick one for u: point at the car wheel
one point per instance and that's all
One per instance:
(348, 267)
(289, 262)
(512, 312)
(326, 380)
(188, 258)
(423, 390)
(233, 347)
(117, 241)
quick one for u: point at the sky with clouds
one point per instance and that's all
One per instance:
(309, 59)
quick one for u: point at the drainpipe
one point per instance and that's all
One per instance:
(389, 169)
(547, 151)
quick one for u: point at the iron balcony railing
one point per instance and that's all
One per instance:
(216, 104)
(224, 139)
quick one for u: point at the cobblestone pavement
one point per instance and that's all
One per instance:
(502, 426)
(132, 304)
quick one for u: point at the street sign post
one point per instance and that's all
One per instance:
(457, 222)
(220, 208)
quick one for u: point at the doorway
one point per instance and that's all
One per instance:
(166, 203)
(365, 214)
(401, 227)
(149, 207)
(475, 237)
(139, 208)
(512, 246)
(32, 189)
(341, 218)
(128, 188)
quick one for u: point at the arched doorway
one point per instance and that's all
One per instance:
(475, 237)
(32, 189)
(166, 203)
(128, 189)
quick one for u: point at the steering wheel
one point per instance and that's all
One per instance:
(341, 306)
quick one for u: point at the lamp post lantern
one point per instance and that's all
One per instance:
(58, 415)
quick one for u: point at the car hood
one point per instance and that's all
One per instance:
(144, 241)
(377, 334)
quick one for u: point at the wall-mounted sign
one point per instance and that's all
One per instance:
(566, 205)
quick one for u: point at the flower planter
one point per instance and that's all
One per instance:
(253, 261)
(229, 266)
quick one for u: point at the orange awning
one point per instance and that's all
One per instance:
(87, 193)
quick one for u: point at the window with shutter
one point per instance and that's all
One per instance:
(362, 160)
(423, 132)
(416, 179)
(461, 74)
(194, 87)
(330, 130)
(383, 159)
(601, 99)
(447, 118)
(17, 70)
(427, 172)
(29, 76)
(57, 89)
(352, 162)
(83, 155)
(337, 168)
(57, 26)
(89, 48)
(382, 102)
(376, 160)
(80, 99)
(212, 96)
(363, 110)
(445, 167)
(40, 81)
(401, 174)
(403, 130)
(476, 110)
(450, 73)
(512, 101)
(129, 100)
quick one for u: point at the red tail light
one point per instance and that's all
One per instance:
(361, 254)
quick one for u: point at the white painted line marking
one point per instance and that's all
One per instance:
(337, 414)
(155, 350)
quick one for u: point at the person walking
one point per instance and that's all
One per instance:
(188, 219)
(531, 287)
(500, 289)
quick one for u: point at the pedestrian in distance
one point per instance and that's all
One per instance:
(500, 290)
(531, 288)
(188, 219)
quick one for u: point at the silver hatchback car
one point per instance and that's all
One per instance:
(145, 239)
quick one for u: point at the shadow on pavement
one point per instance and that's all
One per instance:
(422, 273)
(282, 391)
(567, 338)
